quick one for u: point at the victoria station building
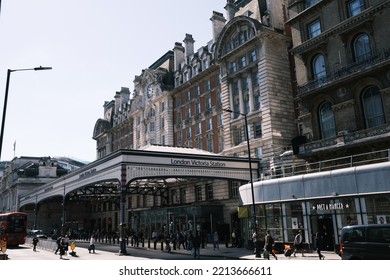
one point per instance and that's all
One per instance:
(281, 121)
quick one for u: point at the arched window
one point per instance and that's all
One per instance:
(372, 107)
(362, 48)
(319, 70)
(326, 117)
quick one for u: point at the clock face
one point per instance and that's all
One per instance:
(150, 91)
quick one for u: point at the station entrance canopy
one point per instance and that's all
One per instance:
(142, 171)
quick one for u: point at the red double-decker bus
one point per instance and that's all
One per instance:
(13, 228)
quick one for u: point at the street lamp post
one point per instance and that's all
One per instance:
(6, 97)
(253, 222)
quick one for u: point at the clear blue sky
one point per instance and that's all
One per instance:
(95, 47)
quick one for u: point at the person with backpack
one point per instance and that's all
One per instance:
(298, 243)
(268, 246)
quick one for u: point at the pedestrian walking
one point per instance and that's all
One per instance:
(298, 243)
(216, 241)
(62, 247)
(234, 238)
(66, 246)
(269, 245)
(35, 243)
(58, 241)
(319, 240)
(196, 246)
(256, 244)
(91, 246)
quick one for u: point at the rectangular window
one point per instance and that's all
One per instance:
(198, 128)
(237, 137)
(162, 122)
(151, 127)
(183, 196)
(209, 192)
(188, 96)
(198, 193)
(197, 91)
(314, 29)
(208, 102)
(355, 7)
(189, 133)
(253, 56)
(243, 61)
(210, 144)
(179, 118)
(258, 132)
(310, 3)
(233, 190)
(259, 152)
(209, 124)
(162, 107)
(208, 85)
(233, 67)
(197, 108)
(179, 138)
(255, 79)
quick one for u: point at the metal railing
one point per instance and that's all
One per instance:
(290, 169)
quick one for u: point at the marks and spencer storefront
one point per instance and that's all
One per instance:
(324, 201)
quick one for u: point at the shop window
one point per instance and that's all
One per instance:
(378, 209)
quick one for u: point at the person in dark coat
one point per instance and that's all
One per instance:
(196, 246)
(35, 243)
(269, 245)
(62, 247)
(319, 242)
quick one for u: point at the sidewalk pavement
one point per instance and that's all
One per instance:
(223, 252)
(246, 254)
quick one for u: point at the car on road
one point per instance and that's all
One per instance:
(365, 242)
(38, 233)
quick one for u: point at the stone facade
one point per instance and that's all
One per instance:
(342, 58)
(183, 98)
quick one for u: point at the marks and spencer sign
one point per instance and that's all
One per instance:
(330, 206)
